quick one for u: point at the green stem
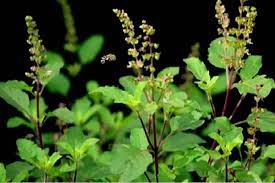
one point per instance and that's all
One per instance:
(145, 131)
(147, 177)
(237, 106)
(228, 89)
(45, 177)
(156, 148)
(226, 170)
(75, 172)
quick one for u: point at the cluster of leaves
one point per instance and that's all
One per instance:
(167, 134)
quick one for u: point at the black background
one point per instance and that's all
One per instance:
(179, 24)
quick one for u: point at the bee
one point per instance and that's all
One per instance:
(109, 57)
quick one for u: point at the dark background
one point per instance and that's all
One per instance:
(179, 24)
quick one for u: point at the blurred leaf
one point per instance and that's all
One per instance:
(252, 66)
(86, 145)
(129, 83)
(266, 121)
(269, 152)
(14, 96)
(220, 85)
(54, 57)
(90, 48)
(247, 176)
(169, 71)
(218, 51)
(74, 69)
(80, 108)
(20, 85)
(52, 67)
(165, 173)
(129, 162)
(60, 84)
(64, 114)
(18, 121)
(53, 159)
(3, 177)
(18, 171)
(138, 139)
(180, 141)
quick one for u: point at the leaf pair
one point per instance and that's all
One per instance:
(37, 157)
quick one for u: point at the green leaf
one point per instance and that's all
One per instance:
(53, 159)
(3, 177)
(266, 121)
(53, 57)
(269, 152)
(252, 66)
(66, 147)
(123, 97)
(197, 68)
(218, 124)
(228, 140)
(129, 162)
(60, 84)
(80, 108)
(195, 94)
(86, 145)
(247, 176)
(220, 85)
(18, 171)
(20, 85)
(181, 141)
(166, 174)
(169, 71)
(129, 83)
(250, 86)
(90, 48)
(52, 67)
(31, 153)
(138, 139)
(209, 85)
(42, 108)
(18, 121)
(185, 122)
(14, 96)
(218, 52)
(64, 114)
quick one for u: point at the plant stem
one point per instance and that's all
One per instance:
(226, 170)
(45, 177)
(210, 100)
(152, 118)
(147, 177)
(240, 122)
(75, 172)
(237, 106)
(38, 124)
(162, 132)
(228, 88)
(145, 131)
